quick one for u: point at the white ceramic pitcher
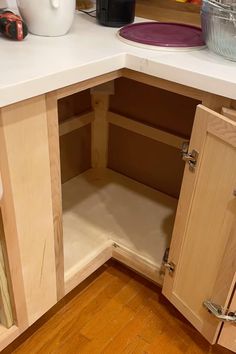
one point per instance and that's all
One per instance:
(47, 17)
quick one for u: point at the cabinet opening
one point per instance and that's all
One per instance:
(121, 172)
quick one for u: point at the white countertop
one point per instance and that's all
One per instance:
(42, 64)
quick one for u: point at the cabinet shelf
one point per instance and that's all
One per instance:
(99, 210)
(75, 122)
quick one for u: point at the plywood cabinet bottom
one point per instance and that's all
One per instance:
(109, 209)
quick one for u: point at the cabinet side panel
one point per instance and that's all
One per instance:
(75, 152)
(25, 132)
(163, 109)
(145, 160)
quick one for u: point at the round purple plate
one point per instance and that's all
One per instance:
(163, 34)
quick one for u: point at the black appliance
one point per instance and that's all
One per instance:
(115, 13)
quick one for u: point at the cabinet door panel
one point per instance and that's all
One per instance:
(204, 226)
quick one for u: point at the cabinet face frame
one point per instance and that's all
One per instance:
(212, 133)
(26, 207)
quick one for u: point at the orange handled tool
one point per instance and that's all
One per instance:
(12, 26)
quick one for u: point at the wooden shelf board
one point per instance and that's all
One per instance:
(101, 209)
(75, 122)
(145, 130)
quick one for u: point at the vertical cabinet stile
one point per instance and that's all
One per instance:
(55, 172)
(28, 218)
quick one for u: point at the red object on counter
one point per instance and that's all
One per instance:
(12, 26)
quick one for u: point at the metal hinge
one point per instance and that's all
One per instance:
(219, 312)
(170, 266)
(115, 245)
(189, 157)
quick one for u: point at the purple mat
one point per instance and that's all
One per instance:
(163, 34)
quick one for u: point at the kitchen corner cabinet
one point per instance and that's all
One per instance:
(95, 170)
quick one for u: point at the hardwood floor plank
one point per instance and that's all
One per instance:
(129, 332)
(110, 310)
(84, 308)
(137, 346)
(71, 345)
(118, 312)
(105, 334)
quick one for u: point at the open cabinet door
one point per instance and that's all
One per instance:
(202, 258)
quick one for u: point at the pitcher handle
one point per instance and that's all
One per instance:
(55, 3)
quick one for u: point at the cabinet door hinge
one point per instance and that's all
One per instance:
(170, 266)
(189, 157)
(219, 312)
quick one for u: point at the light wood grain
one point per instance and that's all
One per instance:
(107, 88)
(88, 269)
(8, 335)
(55, 173)
(75, 122)
(164, 84)
(24, 130)
(215, 102)
(137, 263)
(229, 113)
(210, 215)
(227, 336)
(81, 86)
(6, 313)
(233, 104)
(15, 277)
(145, 130)
(1, 189)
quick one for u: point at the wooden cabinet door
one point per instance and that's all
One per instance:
(203, 247)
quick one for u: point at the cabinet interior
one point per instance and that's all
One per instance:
(130, 204)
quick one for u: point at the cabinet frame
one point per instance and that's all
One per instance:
(49, 107)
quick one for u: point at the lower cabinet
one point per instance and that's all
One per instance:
(107, 212)
(124, 170)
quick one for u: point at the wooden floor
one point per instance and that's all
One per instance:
(117, 311)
